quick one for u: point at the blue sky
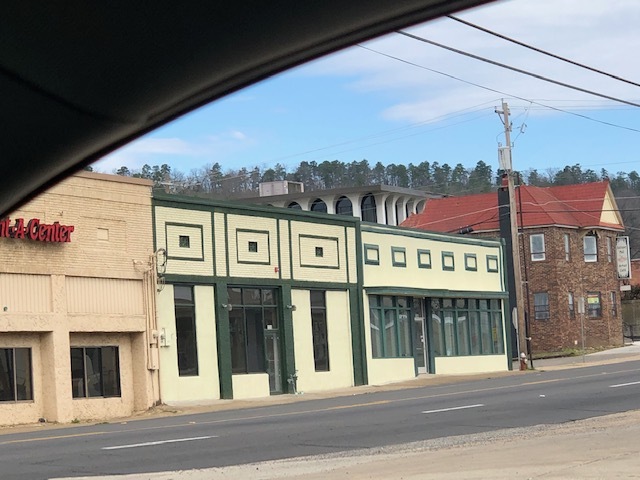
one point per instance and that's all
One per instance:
(358, 104)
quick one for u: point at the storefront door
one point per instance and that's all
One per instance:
(420, 336)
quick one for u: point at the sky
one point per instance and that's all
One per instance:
(362, 104)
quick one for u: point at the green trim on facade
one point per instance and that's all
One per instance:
(213, 244)
(471, 262)
(431, 359)
(187, 225)
(319, 237)
(223, 340)
(421, 253)
(506, 325)
(291, 277)
(445, 256)
(356, 310)
(440, 237)
(426, 292)
(266, 282)
(346, 252)
(278, 243)
(227, 267)
(397, 263)
(369, 247)
(287, 341)
(249, 262)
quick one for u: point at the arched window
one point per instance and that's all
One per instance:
(319, 206)
(368, 208)
(294, 206)
(420, 206)
(344, 207)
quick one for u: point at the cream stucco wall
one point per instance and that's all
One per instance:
(340, 372)
(98, 283)
(436, 278)
(471, 364)
(170, 223)
(203, 387)
(332, 267)
(250, 385)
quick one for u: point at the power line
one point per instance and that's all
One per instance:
(544, 52)
(505, 94)
(455, 114)
(515, 69)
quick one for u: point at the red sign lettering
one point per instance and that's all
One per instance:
(35, 230)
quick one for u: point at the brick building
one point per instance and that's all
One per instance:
(567, 255)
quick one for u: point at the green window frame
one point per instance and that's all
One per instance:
(371, 254)
(424, 258)
(492, 264)
(390, 324)
(448, 261)
(399, 256)
(466, 327)
(471, 262)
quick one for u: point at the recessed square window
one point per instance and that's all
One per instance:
(184, 241)
(371, 254)
(470, 262)
(253, 247)
(492, 263)
(448, 261)
(103, 234)
(398, 256)
(424, 258)
(319, 252)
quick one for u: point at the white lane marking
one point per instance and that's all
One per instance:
(150, 444)
(624, 384)
(454, 408)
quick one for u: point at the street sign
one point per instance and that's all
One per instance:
(623, 259)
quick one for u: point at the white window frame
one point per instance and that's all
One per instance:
(537, 255)
(567, 251)
(609, 250)
(590, 257)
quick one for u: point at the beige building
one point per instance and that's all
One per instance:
(258, 301)
(77, 291)
(434, 303)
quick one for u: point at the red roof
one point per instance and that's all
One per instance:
(570, 205)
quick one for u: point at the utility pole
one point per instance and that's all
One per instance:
(506, 166)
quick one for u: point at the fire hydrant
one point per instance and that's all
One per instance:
(523, 361)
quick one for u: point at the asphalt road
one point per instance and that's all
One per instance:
(321, 426)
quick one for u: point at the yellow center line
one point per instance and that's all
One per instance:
(320, 410)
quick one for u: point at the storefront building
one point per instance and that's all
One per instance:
(258, 301)
(255, 301)
(76, 303)
(433, 303)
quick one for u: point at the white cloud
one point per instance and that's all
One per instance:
(597, 33)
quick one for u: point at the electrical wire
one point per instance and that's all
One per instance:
(518, 70)
(455, 114)
(544, 52)
(585, 117)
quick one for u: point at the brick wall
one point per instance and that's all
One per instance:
(558, 277)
